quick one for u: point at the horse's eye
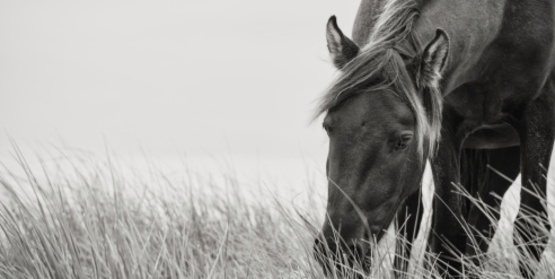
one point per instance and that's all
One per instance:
(403, 142)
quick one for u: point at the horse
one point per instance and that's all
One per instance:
(468, 86)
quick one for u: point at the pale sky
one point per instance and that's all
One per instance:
(201, 77)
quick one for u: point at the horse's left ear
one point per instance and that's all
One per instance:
(434, 59)
(342, 49)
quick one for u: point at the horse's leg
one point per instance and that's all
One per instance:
(409, 217)
(505, 161)
(536, 135)
(448, 237)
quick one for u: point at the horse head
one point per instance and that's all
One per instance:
(382, 117)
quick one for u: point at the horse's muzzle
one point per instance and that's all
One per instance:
(341, 259)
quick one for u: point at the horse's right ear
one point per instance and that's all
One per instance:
(434, 58)
(342, 49)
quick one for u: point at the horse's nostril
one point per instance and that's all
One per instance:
(338, 258)
(355, 252)
(355, 249)
(324, 245)
(360, 254)
(320, 248)
(317, 242)
(324, 254)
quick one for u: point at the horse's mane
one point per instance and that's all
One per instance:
(382, 64)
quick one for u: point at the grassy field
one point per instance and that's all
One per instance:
(87, 217)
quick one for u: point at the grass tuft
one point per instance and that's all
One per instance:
(92, 218)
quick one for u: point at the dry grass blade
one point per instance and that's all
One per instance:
(85, 218)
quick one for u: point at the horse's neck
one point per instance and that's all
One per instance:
(365, 20)
(471, 26)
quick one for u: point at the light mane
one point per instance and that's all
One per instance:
(382, 64)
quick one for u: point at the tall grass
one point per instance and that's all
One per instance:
(93, 218)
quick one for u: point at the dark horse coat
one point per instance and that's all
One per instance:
(468, 85)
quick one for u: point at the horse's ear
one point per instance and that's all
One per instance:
(342, 49)
(434, 59)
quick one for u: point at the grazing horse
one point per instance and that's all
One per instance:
(468, 85)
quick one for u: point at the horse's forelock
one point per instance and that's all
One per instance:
(426, 108)
(388, 71)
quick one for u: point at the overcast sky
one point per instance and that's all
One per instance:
(200, 77)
